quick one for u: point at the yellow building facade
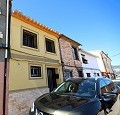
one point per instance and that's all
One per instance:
(34, 56)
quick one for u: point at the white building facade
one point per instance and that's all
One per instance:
(104, 63)
(89, 64)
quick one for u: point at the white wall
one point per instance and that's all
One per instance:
(92, 66)
(99, 60)
(91, 71)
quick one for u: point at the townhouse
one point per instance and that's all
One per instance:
(39, 55)
(104, 63)
(71, 63)
(34, 62)
(89, 64)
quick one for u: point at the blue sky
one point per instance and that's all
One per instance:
(93, 23)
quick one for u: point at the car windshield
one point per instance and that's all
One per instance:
(85, 88)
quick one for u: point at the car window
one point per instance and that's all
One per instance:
(85, 88)
(103, 87)
(102, 84)
(66, 87)
(107, 81)
(110, 85)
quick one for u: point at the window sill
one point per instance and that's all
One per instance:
(50, 53)
(35, 78)
(30, 48)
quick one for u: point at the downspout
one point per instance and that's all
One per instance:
(7, 44)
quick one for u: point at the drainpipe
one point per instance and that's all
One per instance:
(7, 45)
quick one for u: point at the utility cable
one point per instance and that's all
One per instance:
(115, 55)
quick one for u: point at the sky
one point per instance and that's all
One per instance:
(93, 23)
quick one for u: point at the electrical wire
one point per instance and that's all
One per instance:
(115, 55)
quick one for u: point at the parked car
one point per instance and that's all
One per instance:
(116, 81)
(80, 96)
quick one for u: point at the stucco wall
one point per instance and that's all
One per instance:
(92, 60)
(17, 39)
(92, 65)
(91, 71)
(22, 56)
(19, 76)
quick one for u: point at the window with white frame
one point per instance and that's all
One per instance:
(35, 71)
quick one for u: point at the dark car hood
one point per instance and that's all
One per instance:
(52, 103)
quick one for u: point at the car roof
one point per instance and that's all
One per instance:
(78, 79)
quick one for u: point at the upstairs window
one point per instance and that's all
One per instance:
(83, 59)
(35, 71)
(29, 39)
(75, 53)
(50, 45)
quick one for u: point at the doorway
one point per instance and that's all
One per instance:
(51, 78)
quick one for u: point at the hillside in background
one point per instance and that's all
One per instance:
(116, 70)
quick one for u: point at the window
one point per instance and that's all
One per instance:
(35, 71)
(29, 39)
(50, 45)
(110, 85)
(103, 87)
(94, 74)
(84, 88)
(75, 54)
(80, 73)
(98, 74)
(83, 59)
(68, 73)
(102, 84)
(88, 75)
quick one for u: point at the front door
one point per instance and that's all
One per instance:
(51, 78)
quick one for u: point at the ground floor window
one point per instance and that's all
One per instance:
(68, 73)
(80, 73)
(35, 71)
(88, 75)
(95, 74)
(98, 74)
